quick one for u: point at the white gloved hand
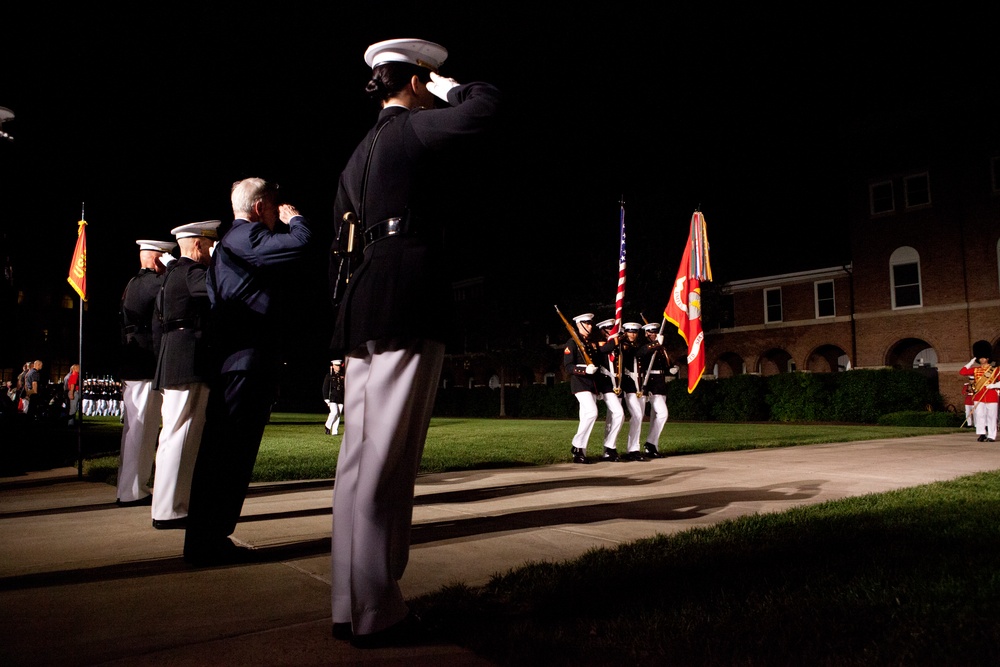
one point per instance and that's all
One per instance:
(591, 369)
(659, 339)
(674, 369)
(972, 362)
(440, 85)
(166, 258)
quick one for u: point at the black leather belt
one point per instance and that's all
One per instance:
(386, 228)
(187, 323)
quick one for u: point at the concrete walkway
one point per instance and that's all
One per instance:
(84, 582)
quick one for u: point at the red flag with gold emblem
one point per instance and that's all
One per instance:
(78, 267)
(684, 308)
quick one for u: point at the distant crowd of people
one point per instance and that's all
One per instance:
(34, 398)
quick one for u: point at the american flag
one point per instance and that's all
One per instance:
(620, 296)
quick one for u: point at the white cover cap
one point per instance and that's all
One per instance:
(414, 51)
(207, 228)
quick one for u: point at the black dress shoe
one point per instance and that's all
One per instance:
(342, 631)
(223, 552)
(579, 455)
(610, 454)
(408, 632)
(651, 451)
(634, 456)
(327, 430)
(981, 438)
(170, 524)
(146, 501)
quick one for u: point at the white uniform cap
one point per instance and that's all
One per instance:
(586, 317)
(207, 228)
(652, 326)
(632, 326)
(336, 362)
(414, 51)
(606, 324)
(158, 246)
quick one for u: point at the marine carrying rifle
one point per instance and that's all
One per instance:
(576, 339)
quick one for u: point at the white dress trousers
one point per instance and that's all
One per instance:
(183, 423)
(657, 417)
(986, 419)
(614, 419)
(388, 403)
(141, 408)
(636, 411)
(333, 419)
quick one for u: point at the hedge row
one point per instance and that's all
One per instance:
(860, 396)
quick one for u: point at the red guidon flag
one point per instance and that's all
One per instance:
(684, 308)
(78, 267)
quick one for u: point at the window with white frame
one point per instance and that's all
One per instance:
(904, 277)
(825, 305)
(772, 304)
(881, 197)
(917, 190)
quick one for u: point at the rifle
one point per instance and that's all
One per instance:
(346, 254)
(645, 379)
(576, 339)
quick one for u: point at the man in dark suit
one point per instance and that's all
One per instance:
(391, 321)
(183, 369)
(253, 272)
(140, 402)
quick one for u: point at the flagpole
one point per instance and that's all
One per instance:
(78, 417)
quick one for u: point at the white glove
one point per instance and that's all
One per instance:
(659, 339)
(591, 369)
(440, 85)
(674, 369)
(166, 258)
(995, 385)
(972, 362)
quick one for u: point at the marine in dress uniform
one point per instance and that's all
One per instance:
(985, 376)
(609, 386)
(391, 320)
(656, 367)
(632, 348)
(587, 383)
(141, 403)
(254, 270)
(182, 371)
(333, 395)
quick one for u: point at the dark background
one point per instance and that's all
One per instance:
(147, 115)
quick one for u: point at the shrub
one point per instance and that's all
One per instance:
(922, 418)
(740, 398)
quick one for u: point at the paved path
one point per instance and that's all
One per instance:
(83, 582)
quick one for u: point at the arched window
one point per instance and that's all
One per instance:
(904, 277)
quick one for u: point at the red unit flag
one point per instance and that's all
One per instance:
(684, 308)
(78, 267)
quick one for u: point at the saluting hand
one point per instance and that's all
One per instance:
(286, 212)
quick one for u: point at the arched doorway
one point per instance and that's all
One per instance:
(826, 359)
(775, 361)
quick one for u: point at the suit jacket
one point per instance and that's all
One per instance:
(182, 309)
(401, 288)
(253, 273)
(139, 351)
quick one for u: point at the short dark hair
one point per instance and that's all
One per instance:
(390, 78)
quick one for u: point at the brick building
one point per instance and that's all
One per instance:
(921, 285)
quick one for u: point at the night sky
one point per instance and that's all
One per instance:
(148, 115)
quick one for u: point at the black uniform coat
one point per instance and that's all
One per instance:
(657, 383)
(182, 309)
(333, 387)
(400, 290)
(632, 356)
(576, 366)
(138, 360)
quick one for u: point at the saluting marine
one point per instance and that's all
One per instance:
(985, 378)
(140, 402)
